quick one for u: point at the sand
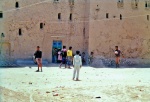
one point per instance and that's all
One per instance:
(56, 85)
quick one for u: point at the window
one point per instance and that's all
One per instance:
(134, 4)
(56, 0)
(70, 17)
(97, 8)
(120, 17)
(17, 5)
(59, 16)
(148, 17)
(71, 2)
(107, 15)
(147, 4)
(2, 35)
(41, 25)
(1, 14)
(84, 32)
(120, 3)
(20, 32)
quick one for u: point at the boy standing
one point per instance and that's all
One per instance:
(38, 57)
(77, 63)
(69, 57)
(117, 54)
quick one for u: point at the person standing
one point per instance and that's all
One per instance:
(59, 56)
(64, 55)
(117, 54)
(55, 54)
(38, 57)
(77, 64)
(69, 57)
(83, 58)
(91, 57)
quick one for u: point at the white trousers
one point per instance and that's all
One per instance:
(76, 71)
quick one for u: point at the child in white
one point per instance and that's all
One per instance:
(77, 63)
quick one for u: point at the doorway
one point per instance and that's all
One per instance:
(56, 46)
(4, 51)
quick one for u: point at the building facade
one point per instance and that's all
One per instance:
(86, 25)
(124, 23)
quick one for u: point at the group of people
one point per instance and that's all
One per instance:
(66, 57)
(59, 54)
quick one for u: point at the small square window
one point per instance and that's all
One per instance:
(107, 15)
(59, 16)
(56, 0)
(134, 4)
(41, 25)
(2, 35)
(84, 32)
(147, 4)
(120, 17)
(70, 17)
(20, 32)
(120, 3)
(148, 17)
(17, 5)
(1, 14)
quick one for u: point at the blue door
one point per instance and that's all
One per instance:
(56, 46)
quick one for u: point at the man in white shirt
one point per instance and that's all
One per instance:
(77, 63)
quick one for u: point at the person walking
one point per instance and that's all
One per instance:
(64, 55)
(69, 57)
(77, 64)
(38, 57)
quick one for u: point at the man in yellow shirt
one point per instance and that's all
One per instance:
(69, 57)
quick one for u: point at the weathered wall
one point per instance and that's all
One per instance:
(88, 31)
(28, 19)
(131, 34)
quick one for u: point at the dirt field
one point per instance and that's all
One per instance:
(56, 85)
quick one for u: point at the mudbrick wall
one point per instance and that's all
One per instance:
(96, 25)
(126, 27)
(21, 26)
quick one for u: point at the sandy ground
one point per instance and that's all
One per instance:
(96, 85)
